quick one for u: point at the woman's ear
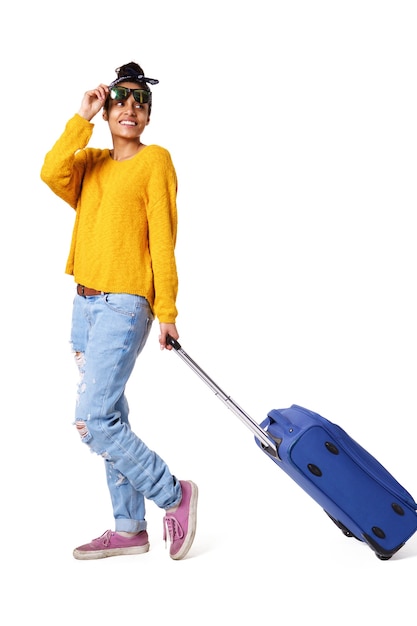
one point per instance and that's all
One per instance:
(105, 116)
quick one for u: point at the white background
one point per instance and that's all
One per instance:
(292, 125)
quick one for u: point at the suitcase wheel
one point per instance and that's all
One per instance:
(348, 533)
(342, 527)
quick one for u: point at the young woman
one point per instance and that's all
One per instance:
(122, 259)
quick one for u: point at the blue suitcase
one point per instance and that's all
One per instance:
(354, 489)
(358, 494)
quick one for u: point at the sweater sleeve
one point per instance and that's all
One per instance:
(162, 224)
(64, 164)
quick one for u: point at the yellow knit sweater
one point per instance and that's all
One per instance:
(126, 217)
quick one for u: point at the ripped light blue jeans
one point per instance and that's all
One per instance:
(108, 333)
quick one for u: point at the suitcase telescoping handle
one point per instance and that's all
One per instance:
(267, 443)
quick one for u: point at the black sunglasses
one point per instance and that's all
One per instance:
(122, 93)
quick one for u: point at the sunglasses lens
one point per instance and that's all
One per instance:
(141, 96)
(119, 93)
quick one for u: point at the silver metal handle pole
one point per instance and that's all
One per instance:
(268, 444)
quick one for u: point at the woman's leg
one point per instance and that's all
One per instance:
(128, 504)
(109, 332)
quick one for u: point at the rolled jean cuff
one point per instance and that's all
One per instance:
(130, 525)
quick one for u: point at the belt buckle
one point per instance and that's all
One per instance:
(81, 290)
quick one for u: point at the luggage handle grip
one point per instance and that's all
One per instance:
(267, 443)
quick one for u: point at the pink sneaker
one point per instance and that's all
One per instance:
(180, 523)
(112, 544)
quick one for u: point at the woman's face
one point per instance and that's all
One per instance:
(127, 118)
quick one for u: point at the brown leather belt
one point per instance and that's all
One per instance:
(86, 291)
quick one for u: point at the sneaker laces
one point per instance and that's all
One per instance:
(173, 527)
(105, 538)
